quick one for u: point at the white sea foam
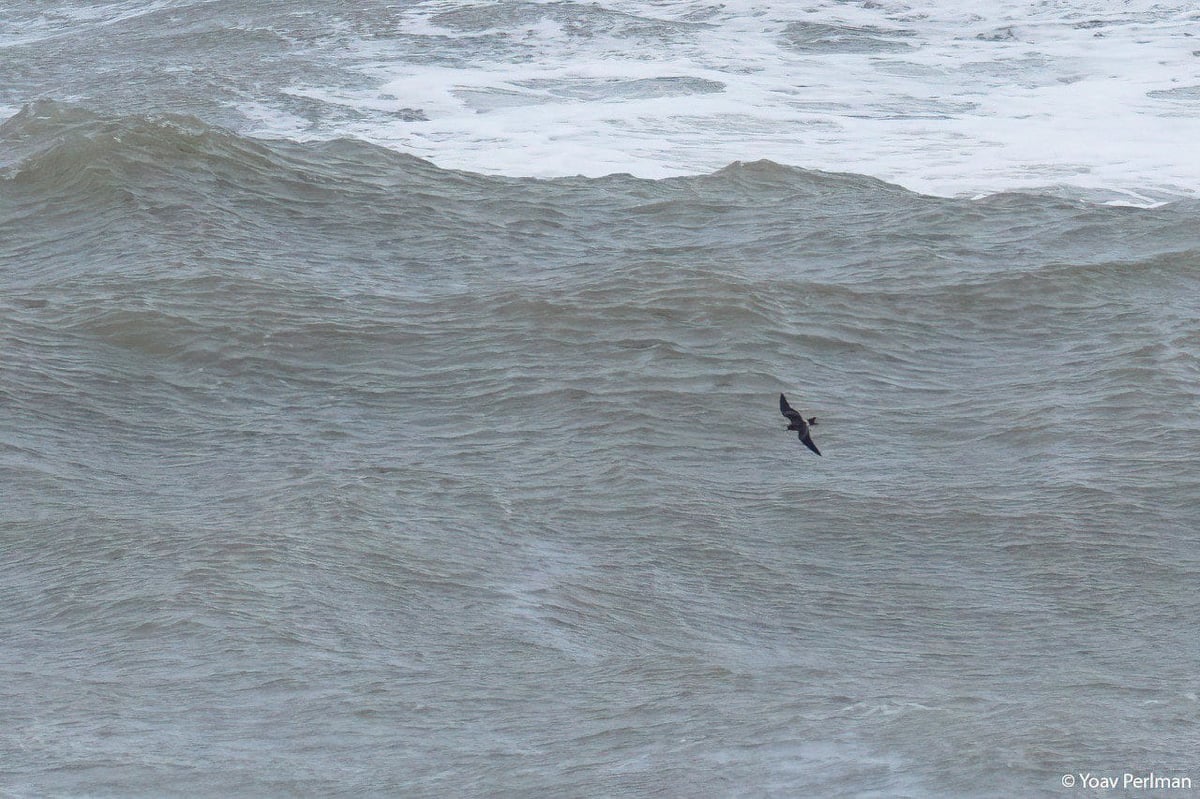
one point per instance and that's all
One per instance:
(946, 97)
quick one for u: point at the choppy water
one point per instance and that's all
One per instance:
(330, 471)
(943, 96)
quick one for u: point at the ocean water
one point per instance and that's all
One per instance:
(389, 399)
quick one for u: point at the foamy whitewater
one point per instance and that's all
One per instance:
(943, 98)
(946, 98)
(389, 399)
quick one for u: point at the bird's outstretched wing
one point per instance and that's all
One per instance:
(786, 409)
(806, 439)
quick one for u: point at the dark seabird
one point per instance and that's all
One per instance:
(798, 423)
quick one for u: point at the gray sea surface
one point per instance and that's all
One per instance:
(328, 472)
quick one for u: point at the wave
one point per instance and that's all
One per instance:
(172, 236)
(52, 145)
(214, 334)
(166, 206)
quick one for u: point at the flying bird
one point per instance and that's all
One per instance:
(798, 423)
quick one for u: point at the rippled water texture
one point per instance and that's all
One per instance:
(330, 472)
